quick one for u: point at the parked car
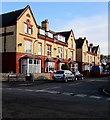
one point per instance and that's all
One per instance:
(78, 75)
(63, 75)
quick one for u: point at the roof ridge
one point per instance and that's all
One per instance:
(63, 31)
(13, 11)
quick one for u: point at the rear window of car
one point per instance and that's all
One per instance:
(60, 72)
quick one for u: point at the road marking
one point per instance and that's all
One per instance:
(74, 84)
(97, 97)
(80, 95)
(9, 88)
(53, 92)
(28, 90)
(53, 87)
(56, 87)
(91, 80)
(58, 92)
(66, 93)
(108, 98)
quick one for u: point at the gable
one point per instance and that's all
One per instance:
(27, 14)
(10, 18)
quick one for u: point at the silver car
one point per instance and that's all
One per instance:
(63, 75)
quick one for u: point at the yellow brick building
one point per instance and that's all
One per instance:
(30, 48)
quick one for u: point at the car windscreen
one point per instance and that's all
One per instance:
(59, 72)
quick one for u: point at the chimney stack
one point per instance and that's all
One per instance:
(45, 25)
(91, 44)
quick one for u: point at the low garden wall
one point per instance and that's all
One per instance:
(12, 77)
(42, 76)
(21, 77)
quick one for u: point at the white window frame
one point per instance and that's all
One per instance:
(84, 58)
(49, 48)
(60, 52)
(27, 46)
(39, 48)
(71, 55)
(25, 28)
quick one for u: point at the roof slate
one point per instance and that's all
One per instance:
(66, 34)
(10, 18)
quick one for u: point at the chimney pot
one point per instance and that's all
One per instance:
(45, 25)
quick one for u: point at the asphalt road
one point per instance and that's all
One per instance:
(80, 99)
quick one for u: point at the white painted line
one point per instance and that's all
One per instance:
(108, 98)
(53, 92)
(9, 88)
(91, 80)
(97, 97)
(66, 93)
(56, 87)
(80, 95)
(28, 90)
(74, 84)
(47, 88)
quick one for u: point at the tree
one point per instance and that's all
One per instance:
(65, 66)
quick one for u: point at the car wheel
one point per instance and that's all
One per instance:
(66, 80)
(76, 78)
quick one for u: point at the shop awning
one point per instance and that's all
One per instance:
(61, 61)
(49, 60)
(30, 57)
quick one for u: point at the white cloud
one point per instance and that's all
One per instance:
(94, 28)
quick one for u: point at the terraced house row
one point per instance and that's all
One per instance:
(30, 48)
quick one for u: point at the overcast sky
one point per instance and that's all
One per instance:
(87, 19)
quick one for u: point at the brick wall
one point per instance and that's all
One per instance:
(4, 77)
(42, 76)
